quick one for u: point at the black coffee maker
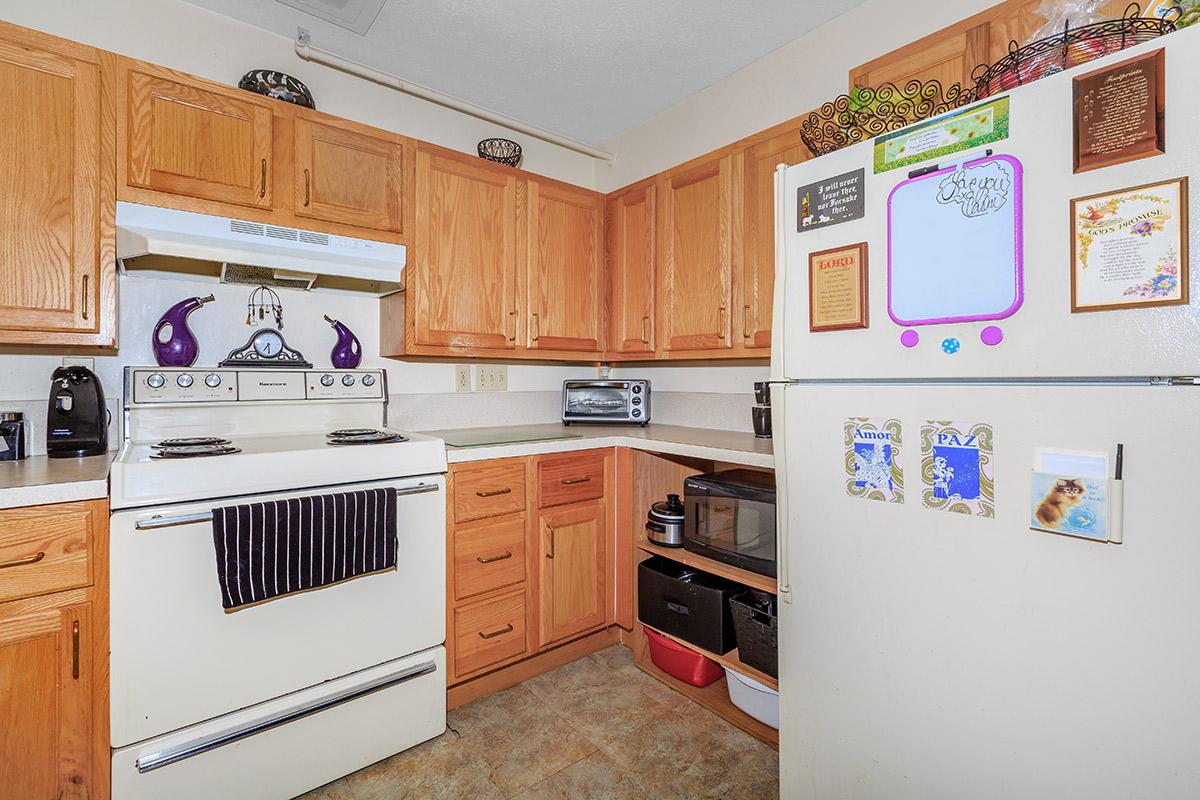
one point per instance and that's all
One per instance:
(77, 420)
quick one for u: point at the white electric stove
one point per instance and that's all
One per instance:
(272, 700)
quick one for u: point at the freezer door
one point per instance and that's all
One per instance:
(1043, 338)
(928, 654)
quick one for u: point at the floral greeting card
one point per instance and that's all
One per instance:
(872, 459)
(956, 467)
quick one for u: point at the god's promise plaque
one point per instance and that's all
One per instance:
(837, 289)
(1119, 112)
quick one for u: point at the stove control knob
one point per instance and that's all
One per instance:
(156, 380)
(327, 380)
(185, 380)
(212, 380)
(637, 412)
(368, 380)
(347, 380)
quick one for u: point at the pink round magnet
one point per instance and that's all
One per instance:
(991, 336)
(910, 338)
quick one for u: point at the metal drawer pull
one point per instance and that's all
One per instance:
(494, 492)
(203, 744)
(262, 188)
(506, 629)
(573, 481)
(20, 562)
(307, 189)
(550, 555)
(494, 559)
(158, 521)
(75, 650)
(85, 299)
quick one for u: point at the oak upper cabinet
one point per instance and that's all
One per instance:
(699, 217)
(632, 225)
(564, 252)
(197, 139)
(57, 146)
(348, 173)
(463, 292)
(572, 572)
(758, 265)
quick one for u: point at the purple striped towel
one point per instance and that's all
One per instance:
(267, 550)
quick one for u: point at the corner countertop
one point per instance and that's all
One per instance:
(734, 447)
(39, 480)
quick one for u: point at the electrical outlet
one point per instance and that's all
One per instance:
(462, 377)
(491, 377)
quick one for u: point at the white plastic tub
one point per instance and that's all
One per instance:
(757, 700)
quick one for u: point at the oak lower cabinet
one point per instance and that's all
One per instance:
(57, 144)
(632, 223)
(572, 570)
(54, 652)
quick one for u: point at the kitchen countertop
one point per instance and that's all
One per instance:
(39, 480)
(734, 447)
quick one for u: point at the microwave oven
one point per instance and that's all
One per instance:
(606, 401)
(729, 516)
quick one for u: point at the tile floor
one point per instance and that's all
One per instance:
(595, 729)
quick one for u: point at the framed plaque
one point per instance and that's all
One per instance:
(837, 289)
(1129, 248)
(1119, 112)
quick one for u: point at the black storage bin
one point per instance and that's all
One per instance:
(687, 603)
(757, 629)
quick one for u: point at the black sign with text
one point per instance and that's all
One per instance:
(833, 200)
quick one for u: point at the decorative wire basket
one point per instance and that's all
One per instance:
(502, 151)
(279, 85)
(1072, 47)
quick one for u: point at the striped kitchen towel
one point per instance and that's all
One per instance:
(267, 550)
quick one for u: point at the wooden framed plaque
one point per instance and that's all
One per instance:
(1119, 112)
(837, 289)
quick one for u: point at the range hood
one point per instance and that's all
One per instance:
(170, 243)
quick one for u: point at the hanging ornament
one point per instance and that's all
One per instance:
(264, 301)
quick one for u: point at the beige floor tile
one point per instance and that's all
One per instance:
(592, 778)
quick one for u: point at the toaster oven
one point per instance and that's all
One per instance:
(606, 401)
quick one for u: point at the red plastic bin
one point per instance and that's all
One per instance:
(681, 662)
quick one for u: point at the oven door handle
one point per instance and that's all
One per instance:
(202, 744)
(159, 521)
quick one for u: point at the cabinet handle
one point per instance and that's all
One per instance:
(262, 186)
(494, 559)
(506, 629)
(550, 555)
(75, 650)
(746, 323)
(84, 295)
(572, 481)
(645, 333)
(20, 562)
(494, 492)
(513, 336)
(307, 189)
(721, 322)
(537, 327)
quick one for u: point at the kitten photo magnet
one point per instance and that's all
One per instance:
(1074, 506)
(872, 459)
(956, 467)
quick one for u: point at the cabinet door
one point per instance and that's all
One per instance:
(349, 176)
(50, 197)
(948, 57)
(46, 723)
(698, 218)
(564, 254)
(572, 572)
(631, 253)
(465, 259)
(190, 140)
(758, 266)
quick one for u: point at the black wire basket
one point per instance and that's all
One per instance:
(502, 151)
(278, 85)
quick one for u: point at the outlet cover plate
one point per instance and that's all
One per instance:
(462, 377)
(491, 377)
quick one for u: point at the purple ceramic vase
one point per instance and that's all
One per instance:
(347, 351)
(174, 343)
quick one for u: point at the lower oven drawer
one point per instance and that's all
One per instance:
(223, 758)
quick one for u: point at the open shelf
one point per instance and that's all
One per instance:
(763, 583)
(730, 659)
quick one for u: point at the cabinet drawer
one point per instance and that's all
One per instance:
(489, 632)
(488, 554)
(569, 479)
(45, 549)
(489, 490)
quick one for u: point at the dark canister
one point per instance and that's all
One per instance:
(13, 436)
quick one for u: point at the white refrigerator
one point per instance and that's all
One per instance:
(927, 653)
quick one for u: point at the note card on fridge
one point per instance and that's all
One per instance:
(872, 459)
(957, 468)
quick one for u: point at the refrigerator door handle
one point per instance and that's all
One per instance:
(778, 378)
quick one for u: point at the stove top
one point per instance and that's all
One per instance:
(193, 450)
(353, 436)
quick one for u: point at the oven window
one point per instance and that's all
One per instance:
(736, 525)
(598, 401)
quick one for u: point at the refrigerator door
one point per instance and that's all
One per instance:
(1043, 337)
(928, 654)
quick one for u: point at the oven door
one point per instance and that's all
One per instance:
(179, 658)
(597, 401)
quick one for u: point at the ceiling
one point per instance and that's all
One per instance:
(581, 68)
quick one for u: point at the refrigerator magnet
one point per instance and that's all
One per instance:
(957, 468)
(837, 289)
(872, 459)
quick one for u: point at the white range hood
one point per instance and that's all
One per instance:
(185, 244)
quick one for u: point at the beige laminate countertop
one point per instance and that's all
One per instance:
(39, 480)
(734, 447)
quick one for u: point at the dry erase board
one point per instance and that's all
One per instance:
(954, 244)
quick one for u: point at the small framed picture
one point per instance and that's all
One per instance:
(1129, 248)
(837, 289)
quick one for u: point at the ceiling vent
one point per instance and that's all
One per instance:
(353, 15)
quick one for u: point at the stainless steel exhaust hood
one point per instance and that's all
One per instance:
(167, 242)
